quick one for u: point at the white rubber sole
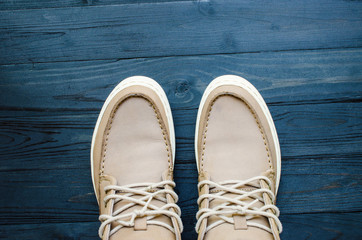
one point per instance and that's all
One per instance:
(136, 81)
(243, 83)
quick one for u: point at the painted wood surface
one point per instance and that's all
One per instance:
(177, 28)
(48, 111)
(41, 4)
(60, 59)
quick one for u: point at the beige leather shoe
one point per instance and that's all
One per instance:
(132, 159)
(238, 158)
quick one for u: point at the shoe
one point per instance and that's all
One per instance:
(238, 159)
(132, 160)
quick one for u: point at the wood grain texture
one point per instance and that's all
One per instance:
(37, 4)
(177, 28)
(48, 111)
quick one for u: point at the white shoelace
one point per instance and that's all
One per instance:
(236, 205)
(149, 191)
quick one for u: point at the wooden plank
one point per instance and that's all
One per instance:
(303, 226)
(75, 230)
(322, 226)
(37, 4)
(177, 28)
(282, 77)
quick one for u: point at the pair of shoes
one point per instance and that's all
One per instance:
(237, 153)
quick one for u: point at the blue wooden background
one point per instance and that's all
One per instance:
(60, 59)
